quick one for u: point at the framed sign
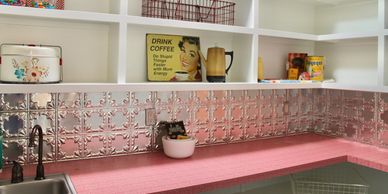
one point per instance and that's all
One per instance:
(173, 58)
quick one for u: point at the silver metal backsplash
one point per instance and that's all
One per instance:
(91, 125)
(354, 115)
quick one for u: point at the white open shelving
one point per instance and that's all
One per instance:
(237, 42)
(104, 42)
(349, 33)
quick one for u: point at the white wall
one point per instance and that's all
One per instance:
(350, 61)
(351, 17)
(287, 15)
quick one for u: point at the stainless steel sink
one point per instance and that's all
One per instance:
(53, 184)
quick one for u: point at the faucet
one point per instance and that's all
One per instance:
(39, 168)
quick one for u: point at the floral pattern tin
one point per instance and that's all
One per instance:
(13, 2)
(30, 64)
(45, 4)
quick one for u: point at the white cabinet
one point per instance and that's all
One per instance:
(84, 31)
(347, 32)
(239, 38)
(104, 41)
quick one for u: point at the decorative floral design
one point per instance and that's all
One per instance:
(44, 4)
(30, 73)
(19, 73)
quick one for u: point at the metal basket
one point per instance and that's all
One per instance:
(330, 180)
(209, 11)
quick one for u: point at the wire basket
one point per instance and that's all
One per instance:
(330, 180)
(209, 11)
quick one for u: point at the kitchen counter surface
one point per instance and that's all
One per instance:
(212, 167)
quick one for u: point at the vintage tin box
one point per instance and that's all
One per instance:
(46, 4)
(30, 63)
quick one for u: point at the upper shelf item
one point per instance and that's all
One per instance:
(296, 65)
(215, 64)
(30, 64)
(47, 4)
(209, 11)
(173, 58)
(13, 2)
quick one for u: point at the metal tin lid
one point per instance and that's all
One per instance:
(33, 51)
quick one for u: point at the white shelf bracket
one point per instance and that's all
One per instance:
(122, 55)
(123, 7)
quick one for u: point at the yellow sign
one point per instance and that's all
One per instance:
(173, 58)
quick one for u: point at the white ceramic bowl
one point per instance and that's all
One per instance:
(181, 148)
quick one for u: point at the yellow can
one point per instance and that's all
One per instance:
(315, 66)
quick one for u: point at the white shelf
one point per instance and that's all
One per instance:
(59, 14)
(344, 36)
(312, 37)
(104, 41)
(348, 33)
(138, 20)
(244, 10)
(156, 86)
(337, 86)
(286, 34)
(116, 18)
(103, 87)
(241, 44)
(85, 46)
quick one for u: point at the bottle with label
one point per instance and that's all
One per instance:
(260, 73)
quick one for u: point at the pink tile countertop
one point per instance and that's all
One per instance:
(212, 167)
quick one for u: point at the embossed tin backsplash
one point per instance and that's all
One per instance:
(91, 125)
(354, 115)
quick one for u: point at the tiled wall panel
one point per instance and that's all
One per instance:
(354, 115)
(103, 124)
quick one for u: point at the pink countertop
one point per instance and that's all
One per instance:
(212, 167)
